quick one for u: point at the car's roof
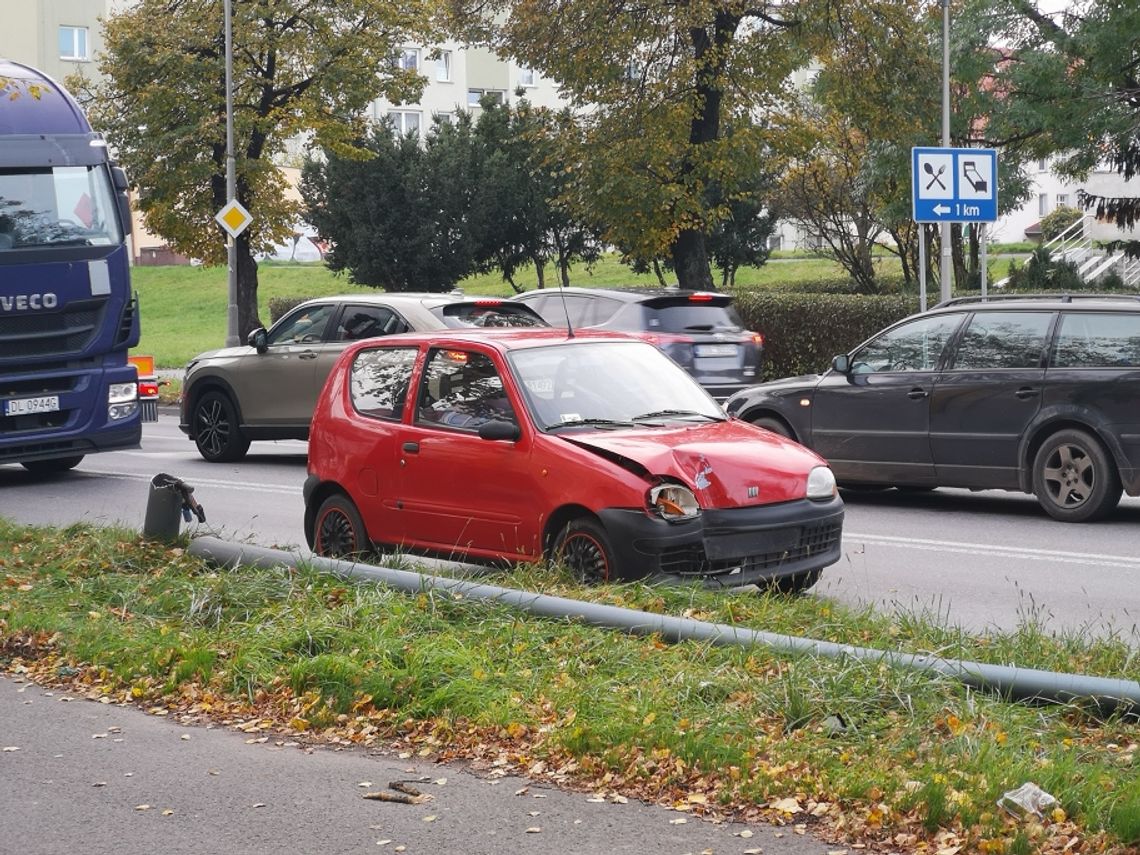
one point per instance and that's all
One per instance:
(384, 298)
(1048, 302)
(503, 338)
(627, 294)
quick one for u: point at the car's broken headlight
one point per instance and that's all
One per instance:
(673, 502)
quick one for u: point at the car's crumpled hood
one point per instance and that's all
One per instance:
(722, 462)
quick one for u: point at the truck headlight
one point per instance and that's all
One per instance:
(122, 401)
(673, 502)
(821, 483)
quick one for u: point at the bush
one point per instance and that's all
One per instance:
(802, 332)
(280, 306)
(1057, 220)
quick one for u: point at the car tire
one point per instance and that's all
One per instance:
(1074, 478)
(584, 548)
(797, 583)
(338, 530)
(773, 424)
(216, 431)
(48, 467)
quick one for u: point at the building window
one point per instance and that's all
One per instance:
(1042, 204)
(443, 67)
(1043, 165)
(1062, 200)
(405, 122)
(474, 96)
(633, 71)
(444, 118)
(409, 59)
(527, 77)
(73, 43)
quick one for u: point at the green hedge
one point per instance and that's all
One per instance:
(803, 331)
(279, 306)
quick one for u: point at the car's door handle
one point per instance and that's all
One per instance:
(412, 447)
(308, 354)
(1027, 392)
(917, 394)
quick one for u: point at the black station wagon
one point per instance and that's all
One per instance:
(1037, 394)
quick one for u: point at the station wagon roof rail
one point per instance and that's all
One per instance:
(1056, 298)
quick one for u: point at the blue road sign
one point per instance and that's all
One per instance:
(954, 185)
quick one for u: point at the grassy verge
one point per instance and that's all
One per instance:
(857, 751)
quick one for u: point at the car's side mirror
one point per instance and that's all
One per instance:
(499, 429)
(841, 363)
(258, 339)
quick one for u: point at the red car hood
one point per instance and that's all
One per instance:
(726, 464)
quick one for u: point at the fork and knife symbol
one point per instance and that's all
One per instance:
(935, 176)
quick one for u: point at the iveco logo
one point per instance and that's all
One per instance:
(753, 492)
(26, 302)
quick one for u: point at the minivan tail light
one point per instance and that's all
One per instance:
(758, 339)
(700, 297)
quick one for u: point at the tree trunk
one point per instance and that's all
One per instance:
(660, 276)
(248, 319)
(540, 272)
(691, 261)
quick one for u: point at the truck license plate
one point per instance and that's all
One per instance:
(28, 406)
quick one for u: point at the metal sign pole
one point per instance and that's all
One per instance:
(985, 257)
(922, 267)
(945, 233)
(232, 339)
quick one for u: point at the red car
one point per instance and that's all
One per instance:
(594, 450)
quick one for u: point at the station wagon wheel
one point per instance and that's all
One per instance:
(583, 547)
(1074, 478)
(216, 431)
(773, 424)
(339, 531)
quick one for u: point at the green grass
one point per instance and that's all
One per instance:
(742, 727)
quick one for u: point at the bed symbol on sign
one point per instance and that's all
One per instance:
(970, 173)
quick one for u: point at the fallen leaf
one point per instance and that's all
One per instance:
(11, 748)
(678, 821)
(185, 736)
(383, 842)
(142, 807)
(521, 792)
(259, 804)
(365, 784)
(431, 818)
(439, 782)
(697, 799)
(788, 805)
(167, 812)
(745, 834)
(99, 784)
(534, 829)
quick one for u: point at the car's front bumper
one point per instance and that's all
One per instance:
(728, 548)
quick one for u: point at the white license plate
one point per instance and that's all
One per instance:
(715, 349)
(27, 406)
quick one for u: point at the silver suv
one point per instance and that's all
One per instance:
(268, 389)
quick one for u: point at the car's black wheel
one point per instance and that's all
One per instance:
(338, 530)
(1074, 478)
(796, 583)
(216, 431)
(47, 467)
(773, 424)
(584, 548)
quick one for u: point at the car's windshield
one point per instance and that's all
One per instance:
(57, 206)
(607, 384)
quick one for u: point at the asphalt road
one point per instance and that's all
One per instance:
(80, 776)
(976, 560)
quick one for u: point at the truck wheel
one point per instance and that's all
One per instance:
(583, 547)
(338, 530)
(46, 467)
(216, 431)
(1074, 478)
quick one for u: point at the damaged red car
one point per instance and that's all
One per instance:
(591, 450)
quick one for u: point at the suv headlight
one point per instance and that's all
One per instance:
(821, 483)
(673, 502)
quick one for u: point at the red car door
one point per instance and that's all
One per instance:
(456, 492)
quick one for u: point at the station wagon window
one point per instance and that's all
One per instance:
(462, 389)
(1098, 341)
(378, 381)
(1003, 340)
(359, 322)
(303, 326)
(914, 346)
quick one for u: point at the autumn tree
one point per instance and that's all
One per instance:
(657, 88)
(299, 68)
(1074, 82)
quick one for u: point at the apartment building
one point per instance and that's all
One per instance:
(59, 37)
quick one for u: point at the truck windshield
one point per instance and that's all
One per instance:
(47, 207)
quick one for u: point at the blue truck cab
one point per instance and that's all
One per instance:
(67, 312)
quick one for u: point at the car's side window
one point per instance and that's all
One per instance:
(1003, 340)
(378, 381)
(462, 389)
(359, 322)
(914, 346)
(1095, 340)
(304, 325)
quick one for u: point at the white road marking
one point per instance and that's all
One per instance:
(993, 550)
(286, 489)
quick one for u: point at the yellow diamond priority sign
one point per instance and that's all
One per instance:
(234, 218)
